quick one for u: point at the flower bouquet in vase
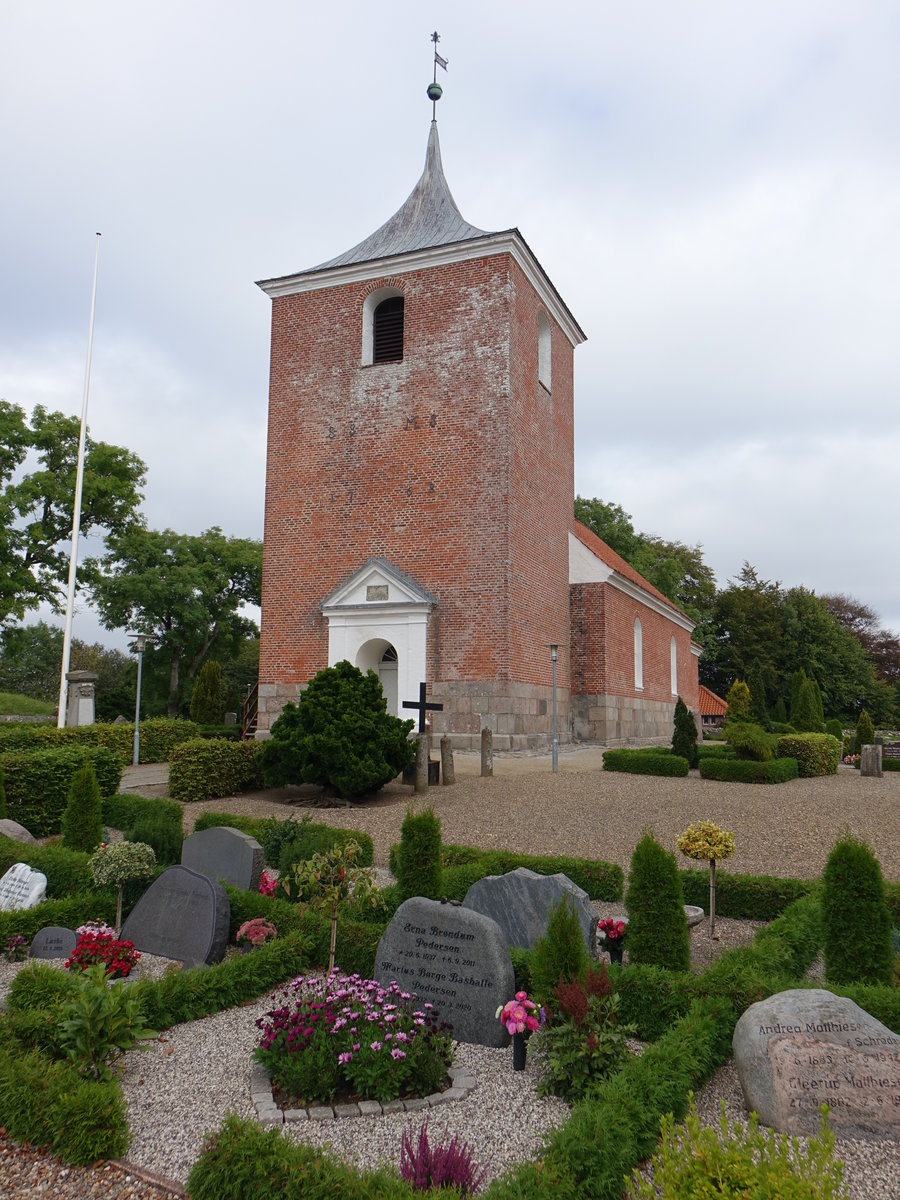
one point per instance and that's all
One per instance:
(611, 934)
(521, 1016)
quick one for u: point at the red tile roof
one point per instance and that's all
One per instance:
(711, 705)
(606, 554)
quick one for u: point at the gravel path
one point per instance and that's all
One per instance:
(786, 830)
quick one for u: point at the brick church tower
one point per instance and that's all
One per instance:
(420, 472)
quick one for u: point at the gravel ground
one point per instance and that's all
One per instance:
(780, 831)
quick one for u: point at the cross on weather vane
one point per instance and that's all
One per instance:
(435, 91)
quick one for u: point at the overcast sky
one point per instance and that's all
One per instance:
(713, 187)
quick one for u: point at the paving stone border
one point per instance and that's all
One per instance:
(268, 1112)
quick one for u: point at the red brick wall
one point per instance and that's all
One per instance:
(603, 647)
(454, 465)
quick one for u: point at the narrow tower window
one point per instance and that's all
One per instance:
(638, 656)
(387, 343)
(544, 351)
(673, 667)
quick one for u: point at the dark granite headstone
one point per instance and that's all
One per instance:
(22, 887)
(225, 853)
(454, 958)
(803, 1048)
(520, 902)
(182, 915)
(53, 941)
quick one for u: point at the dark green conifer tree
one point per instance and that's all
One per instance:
(856, 920)
(657, 931)
(207, 707)
(684, 738)
(82, 821)
(804, 714)
(758, 709)
(419, 856)
(797, 681)
(865, 732)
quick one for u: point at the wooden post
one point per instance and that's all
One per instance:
(448, 774)
(422, 756)
(487, 753)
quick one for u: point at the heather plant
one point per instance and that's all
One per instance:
(733, 1161)
(657, 926)
(419, 856)
(98, 945)
(16, 948)
(82, 821)
(341, 1033)
(561, 954)
(856, 920)
(684, 738)
(582, 1043)
(446, 1165)
(865, 732)
(98, 1024)
(119, 862)
(256, 932)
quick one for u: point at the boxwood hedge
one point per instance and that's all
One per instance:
(745, 770)
(37, 782)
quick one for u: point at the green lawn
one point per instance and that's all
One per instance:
(23, 706)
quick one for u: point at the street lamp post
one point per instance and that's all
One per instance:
(140, 645)
(554, 653)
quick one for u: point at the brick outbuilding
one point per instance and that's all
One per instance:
(420, 488)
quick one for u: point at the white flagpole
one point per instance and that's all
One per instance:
(76, 516)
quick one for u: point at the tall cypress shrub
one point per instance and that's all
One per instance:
(856, 920)
(207, 706)
(820, 705)
(419, 856)
(797, 681)
(758, 710)
(657, 926)
(738, 701)
(805, 714)
(82, 821)
(684, 739)
(865, 732)
(561, 954)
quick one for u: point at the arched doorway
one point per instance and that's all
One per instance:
(380, 656)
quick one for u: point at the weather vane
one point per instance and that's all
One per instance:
(435, 91)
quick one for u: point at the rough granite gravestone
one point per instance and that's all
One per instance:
(225, 853)
(15, 831)
(520, 902)
(53, 941)
(454, 958)
(182, 915)
(800, 1049)
(21, 887)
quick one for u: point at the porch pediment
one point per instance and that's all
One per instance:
(377, 587)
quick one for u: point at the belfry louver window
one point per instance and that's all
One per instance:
(388, 331)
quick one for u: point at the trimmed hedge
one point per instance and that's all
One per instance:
(158, 736)
(123, 810)
(48, 1103)
(207, 769)
(816, 753)
(273, 834)
(66, 870)
(746, 897)
(745, 770)
(464, 865)
(70, 912)
(640, 762)
(37, 782)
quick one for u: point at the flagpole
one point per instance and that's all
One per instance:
(76, 515)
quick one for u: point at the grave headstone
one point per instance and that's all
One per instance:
(21, 887)
(182, 915)
(53, 941)
(225, 853)
(520, 902)
(454, 958)
(803, 1048)
(15, 831)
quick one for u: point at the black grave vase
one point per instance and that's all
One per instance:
(519, 1051)
(615, 953)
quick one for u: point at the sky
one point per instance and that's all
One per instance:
(714, 189)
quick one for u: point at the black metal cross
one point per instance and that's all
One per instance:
(422, 705)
